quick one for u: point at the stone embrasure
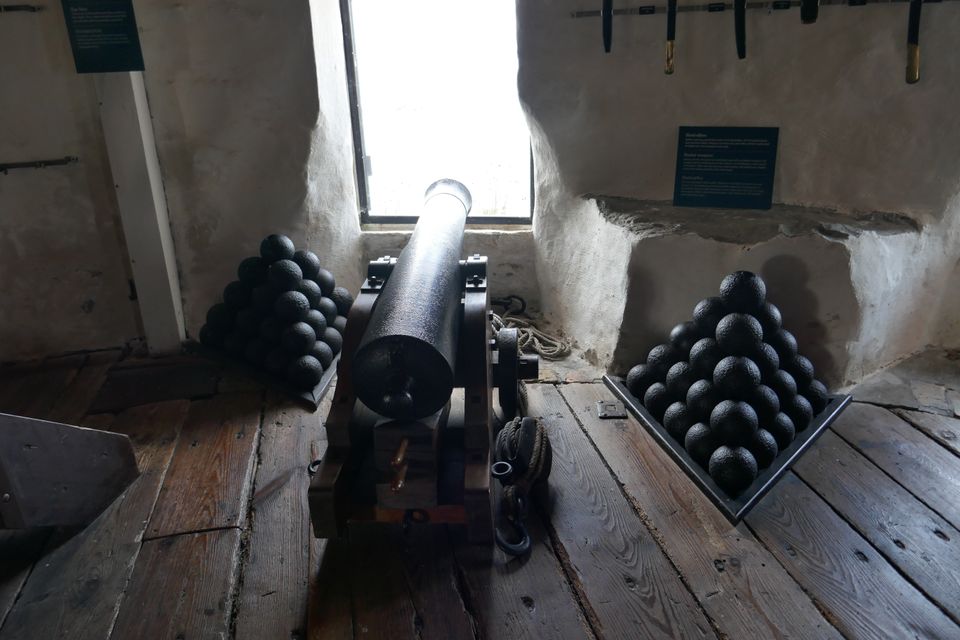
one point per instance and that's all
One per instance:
(651, 218)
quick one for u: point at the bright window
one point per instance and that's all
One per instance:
(436, 83)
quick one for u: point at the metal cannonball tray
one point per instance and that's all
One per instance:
(309, 399)
(736, 508)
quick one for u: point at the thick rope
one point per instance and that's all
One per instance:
(527, 473)
(529, 337)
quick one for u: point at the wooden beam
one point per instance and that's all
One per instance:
(128, 132)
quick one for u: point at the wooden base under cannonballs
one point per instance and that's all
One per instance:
(733, 508)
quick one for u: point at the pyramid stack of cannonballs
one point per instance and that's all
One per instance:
(730, 386)
(284, 314)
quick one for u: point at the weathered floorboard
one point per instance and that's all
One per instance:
(74, 591)
(928, 471)
(630, 584)
(514, 598)
(866, 596)
(273, 599)
(181, 587)
(403, 585)
(747, 594)
(208, 482)
(73, 404)
(944, 430)
(331, 613)
(128, 385)
(907, 532)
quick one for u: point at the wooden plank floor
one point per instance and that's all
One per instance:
(860, 540)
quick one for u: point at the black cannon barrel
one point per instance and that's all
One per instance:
(404, 366)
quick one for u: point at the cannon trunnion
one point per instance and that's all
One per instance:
(410, 429)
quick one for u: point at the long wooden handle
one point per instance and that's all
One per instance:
(671, 36)
(740, 26)
(913, 42)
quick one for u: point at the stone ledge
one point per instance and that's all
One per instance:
(653, 218)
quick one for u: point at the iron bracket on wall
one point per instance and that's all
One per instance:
(37, 164)
(713, 7)
(29, 8)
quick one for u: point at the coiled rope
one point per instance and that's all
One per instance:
(529, 338)
(524, 457)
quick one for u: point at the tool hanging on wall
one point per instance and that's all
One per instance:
(809, 10)
(606, 17)
(671, 35)
(740, 27)
(913, 42)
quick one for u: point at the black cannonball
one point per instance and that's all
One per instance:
(262, 297)
(326, 281)
(284, 275)
(733, 468)
(639, 379)
(234, 343)
(704, 356)
(801, 369)
(782, 430)
(764, 448)
(702, 397)
(221, 317)
(211, 337)
(679, 378)
(677, 419)
(311, 290)
(256, 351)
(316, 320)
(308, 262)
(343, 299)
(305, 372)
(662, 357)
(252, 271)
(766, 359)
(683, 336)
(816, 392)
(736, 377)
(323, 353)
(769, 316)
(785, 344)
(291, 305)
(743, 291)
(270, 330)
(276, 247)
(765, 403)
(657, 399)
(248, 321)
(800, 412)
(733, 422)
(700, 442)
(739, 334)
(276, 361)
(298, 338)
(784, 385)
(707, 314)
(328, 308)
(333, 339)
(340, 324)
(236, 295)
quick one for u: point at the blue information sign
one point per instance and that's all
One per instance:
(103, 35)
(726, 167)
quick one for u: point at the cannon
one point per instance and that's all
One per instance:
(413, 416)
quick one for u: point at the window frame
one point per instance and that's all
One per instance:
(360, 158)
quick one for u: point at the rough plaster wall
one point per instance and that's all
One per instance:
(253, 135)
(853, 135)
(63, 268)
